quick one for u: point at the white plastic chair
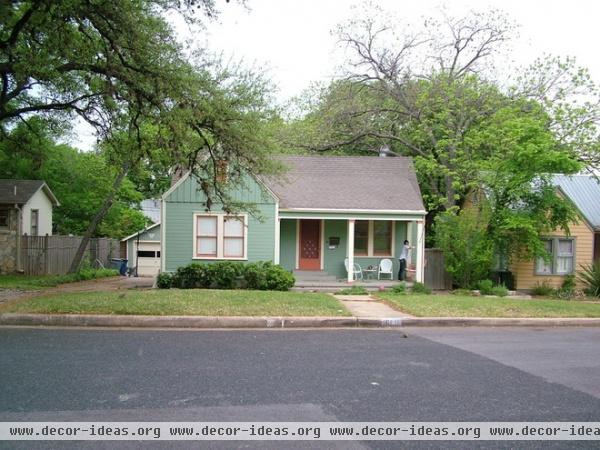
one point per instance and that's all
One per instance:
(356, 270)
(386, 267)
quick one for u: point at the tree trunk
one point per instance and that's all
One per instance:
(108, 201)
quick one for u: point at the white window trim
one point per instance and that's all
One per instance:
(555, 255)
(36, 225)
(371, 240)
(220, 227)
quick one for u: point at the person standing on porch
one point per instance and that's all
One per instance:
(403, 258)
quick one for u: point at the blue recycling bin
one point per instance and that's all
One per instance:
(120, 265)
(123, 268)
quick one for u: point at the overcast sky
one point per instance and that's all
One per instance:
(292, 39)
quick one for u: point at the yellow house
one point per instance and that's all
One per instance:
(568, 252)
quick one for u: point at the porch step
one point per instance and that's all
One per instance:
(335, 286)
(316, 276)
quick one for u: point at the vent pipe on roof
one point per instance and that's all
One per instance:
(384, 151)
(15, 190)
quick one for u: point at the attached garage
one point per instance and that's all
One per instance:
(143, 251)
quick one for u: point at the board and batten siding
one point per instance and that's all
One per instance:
(187, 199)
(524, 271)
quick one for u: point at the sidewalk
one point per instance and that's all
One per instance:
(367, 307)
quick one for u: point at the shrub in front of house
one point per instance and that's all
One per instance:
(164, 280)
(189, 277)
(279, 279)
(499, 291)
(224, 274)
(266, 276)
(590, 276)
(420, 288)
(542, 289)
(229, 275)
(485, 287)
(255, 275)
(567, 290)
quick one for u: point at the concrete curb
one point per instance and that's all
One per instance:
(126, 321)
(204, 322)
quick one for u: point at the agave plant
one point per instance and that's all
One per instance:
(590, 276)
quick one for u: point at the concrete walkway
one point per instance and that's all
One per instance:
(365, 306)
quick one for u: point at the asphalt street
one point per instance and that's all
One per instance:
(502, 374)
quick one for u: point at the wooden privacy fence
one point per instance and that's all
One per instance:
(436, 276)
(52, 255)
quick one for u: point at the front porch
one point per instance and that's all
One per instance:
(320, 281)
(321, 247)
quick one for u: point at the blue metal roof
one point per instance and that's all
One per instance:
(584, 192)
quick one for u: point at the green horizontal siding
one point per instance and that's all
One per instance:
(181, 205)
(287, 244)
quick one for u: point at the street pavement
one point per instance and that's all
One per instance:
(448, 374)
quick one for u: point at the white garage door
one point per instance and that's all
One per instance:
(148, 259)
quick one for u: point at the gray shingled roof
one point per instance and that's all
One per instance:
(20, 191)
(348, 182)
(584, 192)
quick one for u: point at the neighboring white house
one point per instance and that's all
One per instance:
(26, 207)
(151, 209)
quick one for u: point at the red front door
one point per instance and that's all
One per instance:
(310, 245)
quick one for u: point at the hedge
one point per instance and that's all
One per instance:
(262, 275)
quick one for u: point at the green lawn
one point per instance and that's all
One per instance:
(28, 283)
(197, 302)
(465, 306)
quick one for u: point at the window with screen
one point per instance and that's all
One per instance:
(206, 237)
(373, 238)
(361, 237)
(233, 237)
(382, 238)
(560, 257)
(219, 236)
(35, 222)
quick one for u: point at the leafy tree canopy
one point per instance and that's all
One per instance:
(79, 180)
(118, 66)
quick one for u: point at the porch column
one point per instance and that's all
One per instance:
(350, 251)
(420, 245)
(409, 233)
(277, 240)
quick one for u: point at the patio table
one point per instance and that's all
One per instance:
(368, 273)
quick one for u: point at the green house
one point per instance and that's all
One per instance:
(322, 211)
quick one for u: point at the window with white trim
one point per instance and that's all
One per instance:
(35, 218)
(220, 236)
(561, 253)
(373, 237)
(233, 237)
